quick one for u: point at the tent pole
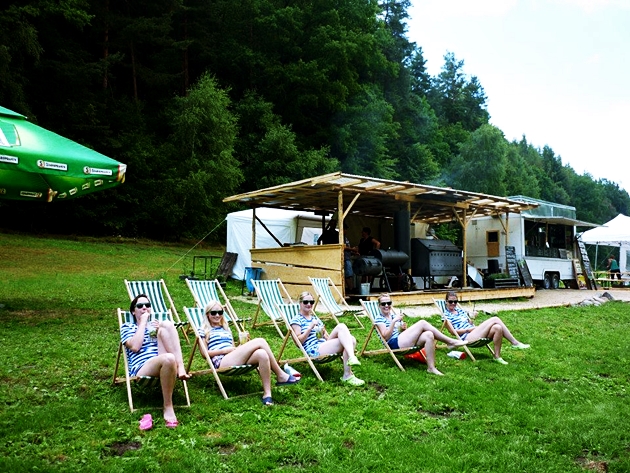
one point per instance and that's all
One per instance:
(340, 217)
(596, 248)
(253, 227)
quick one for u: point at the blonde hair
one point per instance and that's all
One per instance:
(303, 295)
(206, 322)
(383, 295)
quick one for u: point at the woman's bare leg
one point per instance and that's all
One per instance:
(427, 339)
(341, 341)
(168, 342)
(483, 330)
(243, 353)
(164, 366)
(412, 335)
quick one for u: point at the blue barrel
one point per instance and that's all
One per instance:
(252, 273)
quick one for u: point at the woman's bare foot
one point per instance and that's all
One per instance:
(169, 414)
(183, 375)
(456, 344)
(435, 371)
(283, 378)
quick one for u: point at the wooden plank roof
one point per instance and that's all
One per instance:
(378, 198)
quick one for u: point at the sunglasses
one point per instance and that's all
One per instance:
(215, 312)
(308, 302)
(451, 302)
(140, 305)
(383, 304)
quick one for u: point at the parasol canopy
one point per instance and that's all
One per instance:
(37, 164)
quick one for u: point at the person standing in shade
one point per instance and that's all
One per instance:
(330, 236)
(367, 244)
(348, 252)
(613, 268)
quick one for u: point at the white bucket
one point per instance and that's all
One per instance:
(365, 289)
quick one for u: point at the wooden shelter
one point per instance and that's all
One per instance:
(350, 195)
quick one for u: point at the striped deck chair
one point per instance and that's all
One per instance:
(335, 304)
(287, 311)
(211, 290)
(482, 342)
(196, 317)
(140, 381)
(372, 310)
(270, 293)
(156, 291)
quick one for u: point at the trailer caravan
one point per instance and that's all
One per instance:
(544, 237)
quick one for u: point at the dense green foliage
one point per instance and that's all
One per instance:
(561, 406)
(204, 99)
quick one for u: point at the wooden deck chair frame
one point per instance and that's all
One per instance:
(195, 316)
(270, 293)
(293, 308)
(482, 342)
(147, 381)
(203, 291)
(156, 290)
(371, 308)
(334, 303)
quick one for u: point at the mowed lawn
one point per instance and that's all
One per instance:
(562, 406)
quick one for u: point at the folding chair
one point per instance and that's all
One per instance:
(287, 311)
(211, 290)
(482, 342)
(141, 381)
(372, 310)
(270, 293)
(155, 291)
(195, 316)
(323, 288)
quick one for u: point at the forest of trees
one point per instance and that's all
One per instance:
(203, 99)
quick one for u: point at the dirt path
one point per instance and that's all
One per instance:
(543, 298)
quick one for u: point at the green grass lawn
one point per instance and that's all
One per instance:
(561, 406)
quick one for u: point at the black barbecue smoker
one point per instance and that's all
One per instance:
(430, 258)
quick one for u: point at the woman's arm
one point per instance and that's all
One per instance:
(135, 342)
(302, 336)
(212, 349)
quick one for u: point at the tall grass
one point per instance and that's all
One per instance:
(561, 406)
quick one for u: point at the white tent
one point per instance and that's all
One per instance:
(286, 225)
(616, 232)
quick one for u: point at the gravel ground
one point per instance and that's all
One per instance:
(543, 298)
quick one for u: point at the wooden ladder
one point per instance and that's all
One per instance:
(586, 265)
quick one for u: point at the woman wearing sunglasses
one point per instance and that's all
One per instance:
(317, 341)
(493, 328)
(222, 352)
(394, 330)
(153, 349)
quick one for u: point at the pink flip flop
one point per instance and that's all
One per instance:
(171, 424)
(146, 423)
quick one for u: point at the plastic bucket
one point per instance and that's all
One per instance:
(252, 273)
(365, 289)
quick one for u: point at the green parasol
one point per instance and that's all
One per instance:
(37, 164)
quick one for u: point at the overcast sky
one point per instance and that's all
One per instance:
(556, 71)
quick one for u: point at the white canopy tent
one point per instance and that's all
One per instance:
(287, 226)
(616, 232)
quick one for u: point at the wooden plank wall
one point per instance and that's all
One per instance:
(294, 264)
